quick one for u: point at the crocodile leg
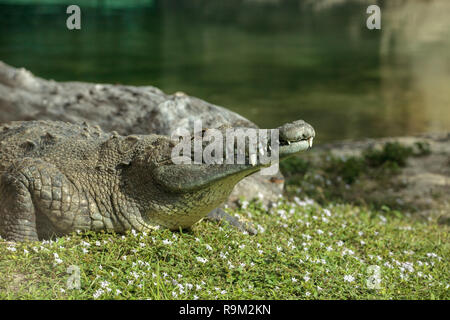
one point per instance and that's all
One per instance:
(17, 212)
(37, 201)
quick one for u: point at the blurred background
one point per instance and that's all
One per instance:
(271, 61)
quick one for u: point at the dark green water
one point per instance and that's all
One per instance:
(271, 61)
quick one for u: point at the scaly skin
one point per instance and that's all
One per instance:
(57, 177)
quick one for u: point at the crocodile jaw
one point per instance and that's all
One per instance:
(294, 138)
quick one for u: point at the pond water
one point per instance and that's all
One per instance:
(272, 61)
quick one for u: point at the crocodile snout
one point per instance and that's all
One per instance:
(296, 131)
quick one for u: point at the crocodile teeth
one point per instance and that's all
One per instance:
(310, 140)
(253, 159)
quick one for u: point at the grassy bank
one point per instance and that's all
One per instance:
(306, 248)
(303, 251)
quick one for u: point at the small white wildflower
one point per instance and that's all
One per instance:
(98, 293)
(202, 260)
(349, 278)
(86, 244)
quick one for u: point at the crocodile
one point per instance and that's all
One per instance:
(58, 177)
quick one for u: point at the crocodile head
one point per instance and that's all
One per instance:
(182, 194)
(293, 137)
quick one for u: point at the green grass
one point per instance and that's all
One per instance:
(332, 247)
(303, 251)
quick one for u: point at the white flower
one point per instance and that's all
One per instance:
(294, 279)
(307, 293)
(98, 293)
(12, 249)
(202, 260)
(349, 278)
(167, 242)
(57, 259)
(306, 278)
(86, 244)
(208, 247)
